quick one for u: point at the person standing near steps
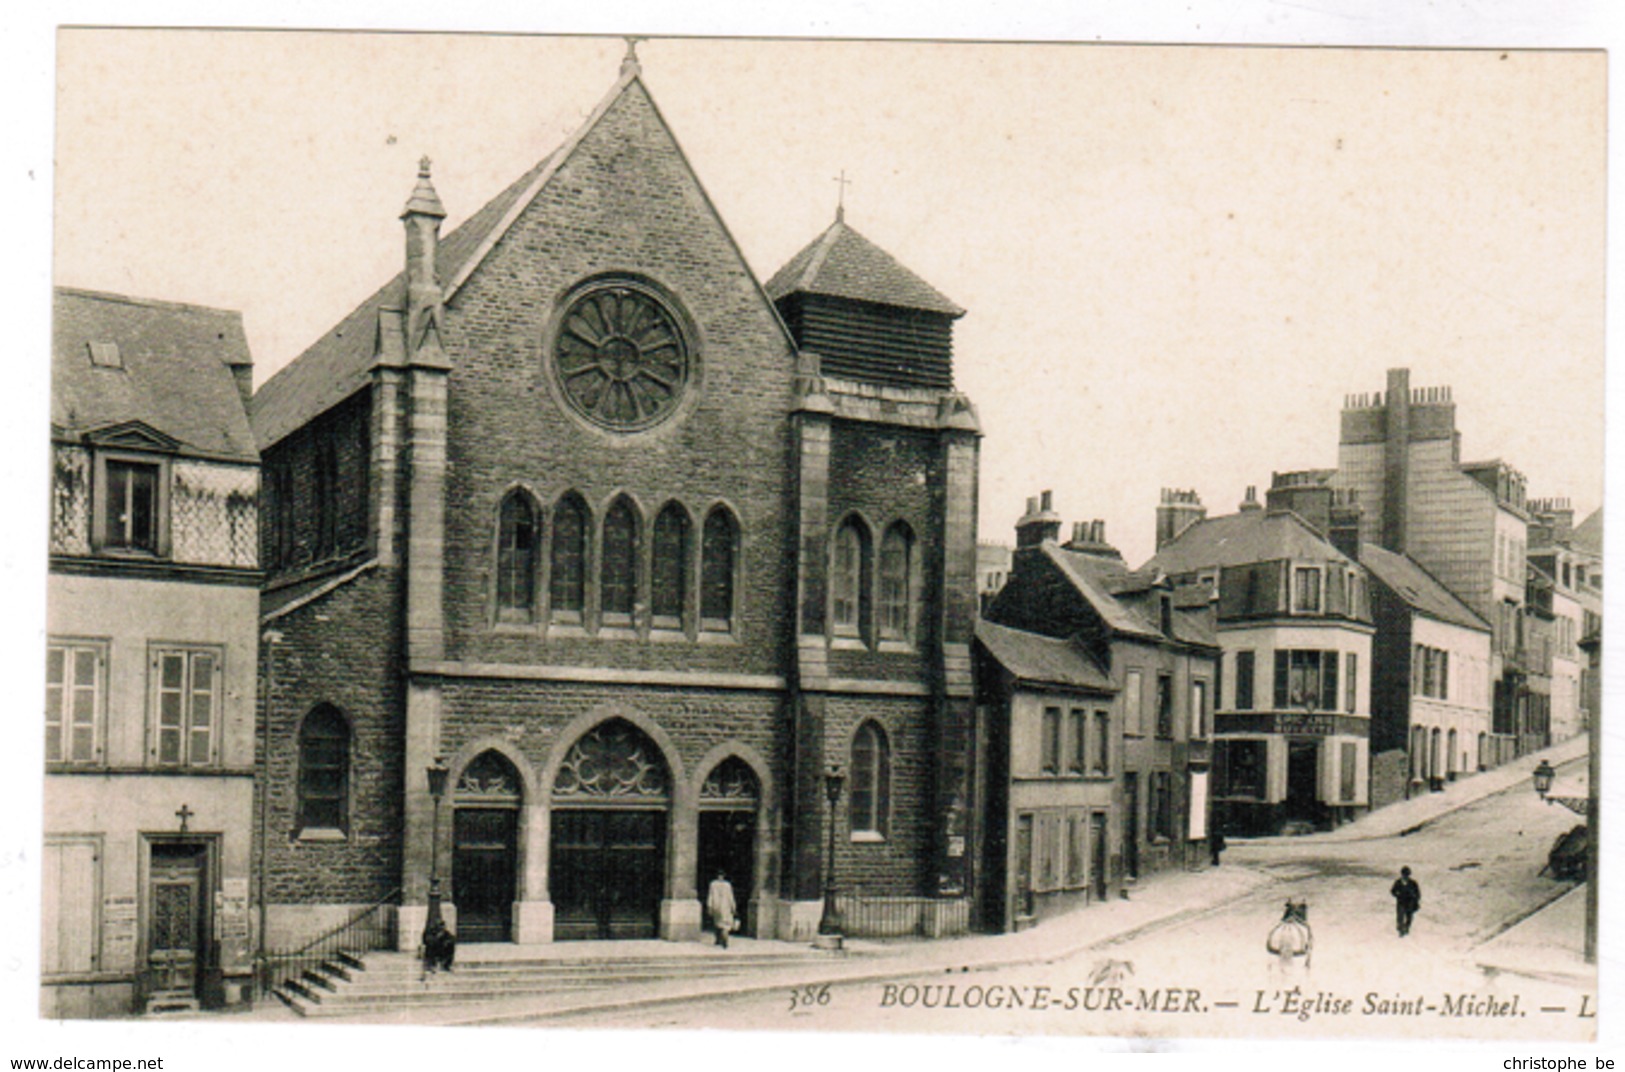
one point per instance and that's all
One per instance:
(719, 901)
(1407, 900)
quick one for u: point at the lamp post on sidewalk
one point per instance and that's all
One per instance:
(1543, 776)
(437, 773)
(829, 924)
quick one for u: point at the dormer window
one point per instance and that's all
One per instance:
(129, 506)
(105, 355)
(1306, 590)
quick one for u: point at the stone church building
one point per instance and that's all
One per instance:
(641, 547)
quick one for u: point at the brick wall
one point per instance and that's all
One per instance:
(623, 203)
(902, 863)
(1390, 771)
(531, 716)
(290, 536)
(338, 649)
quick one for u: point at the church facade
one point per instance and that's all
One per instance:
(642, 550)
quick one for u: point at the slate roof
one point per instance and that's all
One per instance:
(1420, 590)
(1128, 599)
(1041, 659)
(841, 263)
(1241, 538)
(176, 374)
(340, 362)
(1092, 577)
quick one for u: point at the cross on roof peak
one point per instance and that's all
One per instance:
(840, 199)
(629, 62)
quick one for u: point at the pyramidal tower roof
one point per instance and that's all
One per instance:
(841, 263)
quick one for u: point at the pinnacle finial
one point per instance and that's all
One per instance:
(423, 166)
(629, 62)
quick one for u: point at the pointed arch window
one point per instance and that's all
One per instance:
(897, 584)
(324, 771)
(847, 579)
(567, 586)
(870, 806)
(668, 580)
(618, 581)
(517, 538)
(719, 548)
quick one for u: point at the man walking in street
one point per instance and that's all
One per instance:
(1407, 899)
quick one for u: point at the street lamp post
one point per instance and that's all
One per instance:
(829, 924)
(437, 772)
(1544, 773)
(1543, 776)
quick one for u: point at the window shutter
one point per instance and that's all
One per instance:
(1280, 679)
(1328, 681)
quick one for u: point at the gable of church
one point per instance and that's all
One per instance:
(612, 343)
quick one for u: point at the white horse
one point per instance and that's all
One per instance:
(1290, 940)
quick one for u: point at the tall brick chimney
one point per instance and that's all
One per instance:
(1039, 523)
(1396, 460)
(1178, 511)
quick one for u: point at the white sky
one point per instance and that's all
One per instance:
(1176, 261)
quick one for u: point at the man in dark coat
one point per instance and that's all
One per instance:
(439, 947)
(1407, 899)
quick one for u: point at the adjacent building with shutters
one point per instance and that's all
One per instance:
(1097, 691)
(1430, 680)
(642, 548)
(1292, 726)
(150, 660)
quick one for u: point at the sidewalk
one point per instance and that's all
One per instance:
(1548, 945)
(1409, 815)
(1164, 899)
(1161, 899)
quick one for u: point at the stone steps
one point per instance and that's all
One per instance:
(378, 982)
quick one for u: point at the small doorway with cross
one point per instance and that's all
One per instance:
(179, 921)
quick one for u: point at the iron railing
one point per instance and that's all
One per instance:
(371, 928)
(864, 916)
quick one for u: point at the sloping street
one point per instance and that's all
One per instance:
(1209, 974)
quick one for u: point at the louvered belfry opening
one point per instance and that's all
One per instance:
(870, 343)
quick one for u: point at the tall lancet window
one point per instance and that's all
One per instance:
(517, 534)
(618, 583)
(668, 580)
(848, 578)
(568, 565)
(718, 552)
(897, 584)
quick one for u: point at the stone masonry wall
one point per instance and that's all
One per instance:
(623, 204)
(338, 649)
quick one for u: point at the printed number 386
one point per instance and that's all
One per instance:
(805, 997)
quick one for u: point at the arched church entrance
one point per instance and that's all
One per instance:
(729, 801)
(607, 865)
(485, 848)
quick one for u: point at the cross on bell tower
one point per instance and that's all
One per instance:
(840, 198)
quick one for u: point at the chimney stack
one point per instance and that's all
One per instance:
(1396, 463)
(1040, 523)
(1089, 537)
(1178, 511)
(1250, 503)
